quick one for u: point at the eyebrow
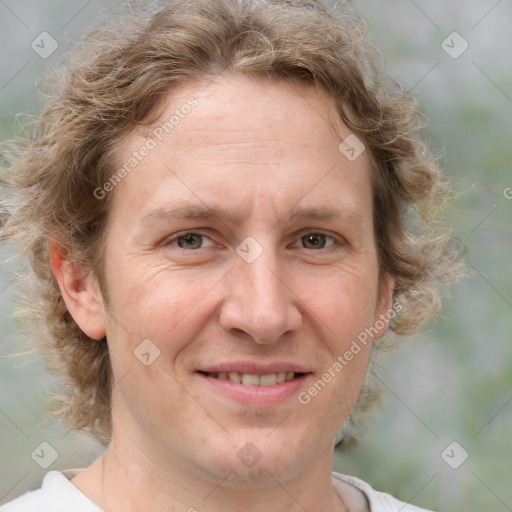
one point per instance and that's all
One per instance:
(202, 212)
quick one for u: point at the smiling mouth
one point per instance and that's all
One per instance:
(247, 379)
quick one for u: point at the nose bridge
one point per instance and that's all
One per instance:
(260, 304)
(263, 284)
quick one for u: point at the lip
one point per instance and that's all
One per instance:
(255, 395)
(255, 368)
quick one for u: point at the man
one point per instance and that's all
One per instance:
(215, 209)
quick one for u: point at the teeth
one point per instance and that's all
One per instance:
(271, 379)
(234, 377)
(250, 380)
(268, 380)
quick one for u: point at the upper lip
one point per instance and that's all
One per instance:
(254, 368)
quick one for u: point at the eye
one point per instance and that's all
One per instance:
(317, 241)
(191, 241)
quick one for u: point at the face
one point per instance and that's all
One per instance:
(240, 253)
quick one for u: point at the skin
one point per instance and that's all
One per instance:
(258, 149)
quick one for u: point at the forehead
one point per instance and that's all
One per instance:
(245, 139)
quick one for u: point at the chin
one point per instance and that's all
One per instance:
(258, 459)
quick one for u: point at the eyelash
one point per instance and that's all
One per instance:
(174, 239)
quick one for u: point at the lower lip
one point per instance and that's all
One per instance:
(256, 395)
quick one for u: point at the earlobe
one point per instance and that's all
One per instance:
(80, 291)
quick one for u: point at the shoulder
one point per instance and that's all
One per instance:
(57, 494)
(377, 501)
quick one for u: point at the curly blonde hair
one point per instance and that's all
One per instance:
(116, 80)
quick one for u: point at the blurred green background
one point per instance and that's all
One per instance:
(450, 384)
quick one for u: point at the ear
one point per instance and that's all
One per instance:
(384, 311)
(80, 290)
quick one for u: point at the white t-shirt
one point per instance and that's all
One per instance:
(58, 494)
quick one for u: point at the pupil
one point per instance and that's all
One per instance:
(315, 240)
(190, 241)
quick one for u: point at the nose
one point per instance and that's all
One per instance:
(259, 303)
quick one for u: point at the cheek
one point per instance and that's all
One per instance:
(154, 304)
(345, 310)
(343, 302)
